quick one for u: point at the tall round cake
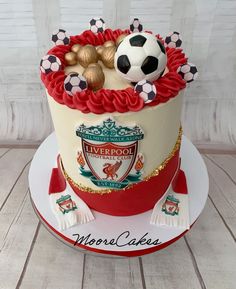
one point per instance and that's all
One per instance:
(115, 99)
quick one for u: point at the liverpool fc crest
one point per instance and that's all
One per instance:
(171, 206)
(109, 155)
(66, 204)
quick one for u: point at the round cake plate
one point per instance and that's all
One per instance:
(118, 236)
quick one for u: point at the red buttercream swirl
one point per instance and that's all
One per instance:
(107, 100)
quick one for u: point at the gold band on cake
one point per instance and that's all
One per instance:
(152, 174)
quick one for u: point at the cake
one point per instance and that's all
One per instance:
(115, 98)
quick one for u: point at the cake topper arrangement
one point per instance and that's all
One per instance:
(59, 37)
(97, 25)
(188, 72)
(136, 26)
(173, 40)
(138, 57)
(74, 83)
(50, 63)
(146, 90)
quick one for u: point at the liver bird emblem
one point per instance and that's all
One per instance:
(111, 169)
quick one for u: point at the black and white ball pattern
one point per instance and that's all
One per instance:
(146, 90)
(74, 83)
(50, 63)
(97, 25)
(140, 56)
(59, 37)
(173, 40)
(188, 72)
(136, 26)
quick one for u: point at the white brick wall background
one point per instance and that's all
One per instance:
(208, 30)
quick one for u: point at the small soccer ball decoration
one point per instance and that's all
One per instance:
(188, 72)
(136, 26)
(50, 63)
(140, 56)
(74, 83)
(173, 40)
(97, 25)
(59, 37)
(146, 90)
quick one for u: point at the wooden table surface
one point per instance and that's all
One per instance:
(30, 257)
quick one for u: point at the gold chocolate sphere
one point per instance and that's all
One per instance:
(71, 58)
(99, 51)
(87, 54)
(120, 38)
(109, 43)
(75, 48)
(95, 77)
(97, 65)
(108, 55)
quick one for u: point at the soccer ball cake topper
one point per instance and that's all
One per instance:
(188, 72)
(140, 56)
(136, 26)
(173, 40)
(59, 37)
(97, 25)
(74, 83)
(50, 63)
(146, 90)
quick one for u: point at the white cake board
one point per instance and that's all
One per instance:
(111, 227)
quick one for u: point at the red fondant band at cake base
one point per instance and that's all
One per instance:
(137, 199)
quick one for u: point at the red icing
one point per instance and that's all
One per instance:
(135, 200)
(179, 185)
(57, 182)
(106, 100)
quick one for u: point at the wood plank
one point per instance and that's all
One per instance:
(3, 151)
(20, 146)
(223, 189)
(107, 273)
(226, 163)
(17, 245)
(164, 268)
(18, 129)
(10, 212)
(218, 149)
(213, 110)
(18, 222)
(214, 249)
(49, 256)
(56, 265)
(224, 178)
(45, 12)
(18, 14)
(87, 10)
(12, 165)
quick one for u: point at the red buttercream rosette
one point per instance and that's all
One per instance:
(107, 100)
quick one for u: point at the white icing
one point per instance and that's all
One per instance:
(181, 220)
(160, 125)
(81, 215)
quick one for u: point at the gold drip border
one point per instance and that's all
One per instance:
(152, 174)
